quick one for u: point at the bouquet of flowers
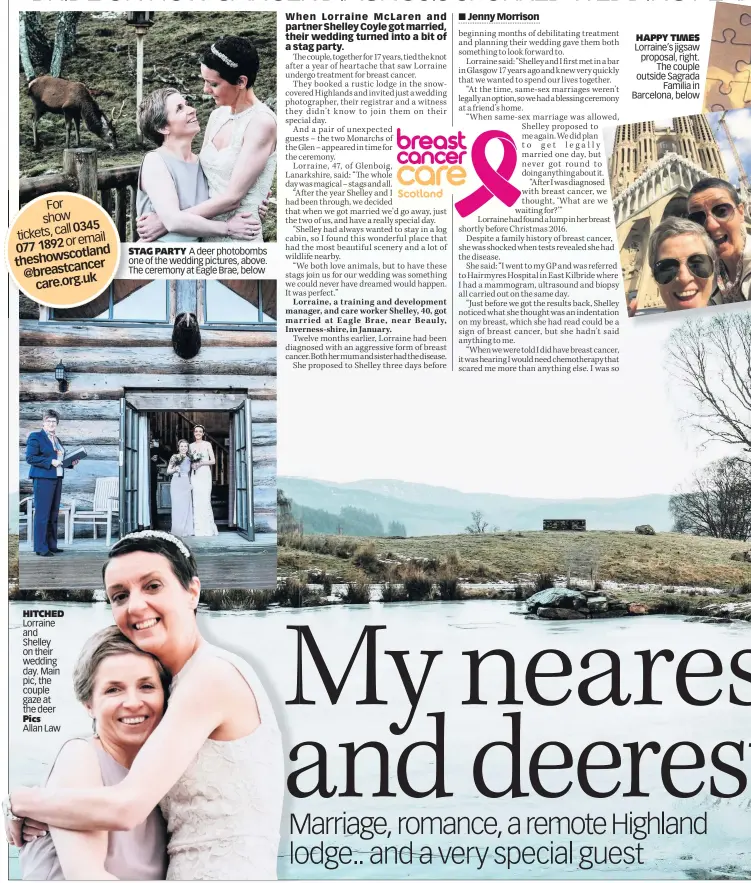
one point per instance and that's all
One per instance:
(194, 456)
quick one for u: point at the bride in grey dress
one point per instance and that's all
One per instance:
(181, 491)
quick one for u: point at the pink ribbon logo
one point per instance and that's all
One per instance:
(495, 182)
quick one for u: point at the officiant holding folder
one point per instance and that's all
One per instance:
(46, 456)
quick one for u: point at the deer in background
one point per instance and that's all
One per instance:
(74, 101)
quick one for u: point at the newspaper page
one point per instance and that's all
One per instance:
(488, 615)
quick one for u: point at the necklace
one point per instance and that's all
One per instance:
(234, 116)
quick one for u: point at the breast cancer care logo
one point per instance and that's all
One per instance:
(495, 182)
(439, 160)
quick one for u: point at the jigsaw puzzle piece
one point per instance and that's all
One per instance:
(730, 20)
(720, 95)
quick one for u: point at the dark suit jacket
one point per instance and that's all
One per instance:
(39, 455)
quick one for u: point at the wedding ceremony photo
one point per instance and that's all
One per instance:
(167, 119)
(152, 407)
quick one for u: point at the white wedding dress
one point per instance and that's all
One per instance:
(203, 514)
(224, 812)
(218, 165)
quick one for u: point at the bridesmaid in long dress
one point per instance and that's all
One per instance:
(203, 514)
(181, 491)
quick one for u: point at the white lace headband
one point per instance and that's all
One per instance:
(160, 534)
(224, 58)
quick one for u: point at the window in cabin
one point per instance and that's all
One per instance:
(240, 302)
(126, 300)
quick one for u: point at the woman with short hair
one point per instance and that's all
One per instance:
(716, 206)
(683, 260)
(171, 181)
(215, 762)
(124, 690)
(239, 147)
(238, 156)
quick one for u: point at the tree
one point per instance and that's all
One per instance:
(396, 529)
(717, 503)
(478, 524)
(35, 49)
(38, 53)
(713, 360)
(65, 40)
(286, 521)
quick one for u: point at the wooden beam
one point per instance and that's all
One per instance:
(74, 410)
(264, 456)
(264, 497)
(82, 479)
(264, 522)
(78, 432)
(185, 401)
(78, 334)
(264, 474)
(186, 296)
(34, 388)
(93, 452)
(154, 360)
(262, 410)
(263, 434)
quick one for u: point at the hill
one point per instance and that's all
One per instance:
(104, 59)
(667, 559)
(427, 510)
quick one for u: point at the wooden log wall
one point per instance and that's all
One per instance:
(105, 361)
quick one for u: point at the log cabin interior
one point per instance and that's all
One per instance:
(137, 368)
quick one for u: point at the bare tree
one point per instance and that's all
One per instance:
(713, 360)
(717, 503)
(478, 524)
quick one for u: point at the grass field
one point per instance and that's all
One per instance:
(667, 559)
(105, 60)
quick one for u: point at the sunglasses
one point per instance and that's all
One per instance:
(722, 212)
(666, 270)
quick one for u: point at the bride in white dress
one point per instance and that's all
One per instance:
(203, 514)
(238, 155)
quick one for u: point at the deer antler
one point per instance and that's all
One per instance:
(116, 115)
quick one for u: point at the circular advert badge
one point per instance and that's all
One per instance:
(63, 250)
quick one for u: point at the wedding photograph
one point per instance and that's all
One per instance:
(202, 779)
(167, 119)
(152, 407)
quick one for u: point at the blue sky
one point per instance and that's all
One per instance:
(739, 123)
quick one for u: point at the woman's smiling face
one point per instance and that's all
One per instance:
(686, 290)
(182, 119)
(727, 231)
(182, 448)
(222, 91)
(198, 433)
(127, 700)
(150, 605)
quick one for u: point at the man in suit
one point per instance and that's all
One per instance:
(45, 453)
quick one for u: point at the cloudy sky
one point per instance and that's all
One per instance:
(739, 123)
